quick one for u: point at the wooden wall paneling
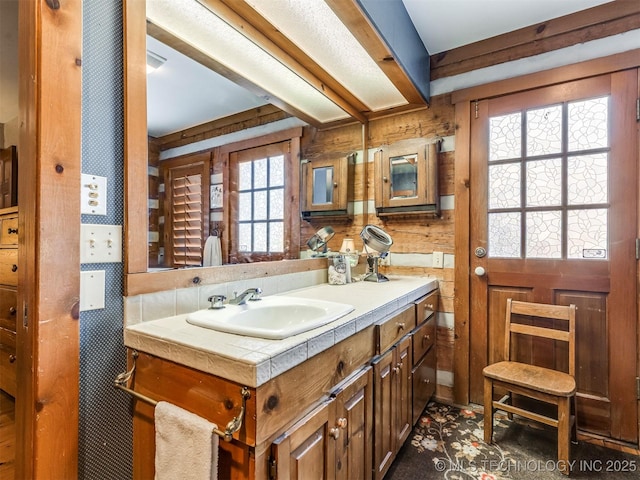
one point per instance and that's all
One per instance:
(638, 236)
(591, 24)
(50, 52)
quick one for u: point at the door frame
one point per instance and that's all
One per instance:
(464, 103)
(49, 148)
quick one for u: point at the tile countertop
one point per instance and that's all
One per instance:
(254, 361)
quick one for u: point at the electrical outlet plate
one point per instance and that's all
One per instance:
(438, 260)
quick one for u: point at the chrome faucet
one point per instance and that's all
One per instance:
(252, 294)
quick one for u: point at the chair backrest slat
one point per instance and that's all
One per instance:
(540, 310)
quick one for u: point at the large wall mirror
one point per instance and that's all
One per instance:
(206, 184)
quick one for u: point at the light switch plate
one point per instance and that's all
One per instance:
(92, 287)
(93, 195)
(100, 243)
(438, 259)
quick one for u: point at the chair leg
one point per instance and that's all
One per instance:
(574, 426)
(564, 417)
(488, 410)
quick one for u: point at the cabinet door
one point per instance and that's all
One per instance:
(404, 386)
(326, 184)
(384, 413)
(354, 417)
(307, 449)
(424, 382)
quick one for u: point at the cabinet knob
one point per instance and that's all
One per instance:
(385, 179)
(396, 370)
(12, 310)
(400, 325)
(12, 358)
(14, 268)
(426, 380)
(334, 433)
(335, 184)
(428, 306)
(341, 423)
(12, 230)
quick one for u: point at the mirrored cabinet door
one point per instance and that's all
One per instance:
(326, 186)
(406, 178)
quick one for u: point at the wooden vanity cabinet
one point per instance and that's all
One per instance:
(392, 389)
(342, 414)
(424, 353)
(8, 298)
(331, 442)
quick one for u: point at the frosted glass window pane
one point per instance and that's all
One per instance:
(244, 237)
(587, 181)
(260, 237)
(244, 206)
(276, 237)
(260, 173)
(260, 205)
(587, 233)
(244, 176)
(276, 171)
(504, 185)
(588, 124)
(504, 234)
(544, 235)
(276, 204)
(544, 131)
(505, 139)
(544, 183)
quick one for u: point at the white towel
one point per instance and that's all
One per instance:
(186, 447)
(212, 254)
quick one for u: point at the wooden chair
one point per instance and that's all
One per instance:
(543, 384)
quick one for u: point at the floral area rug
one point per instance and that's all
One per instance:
(447, 442)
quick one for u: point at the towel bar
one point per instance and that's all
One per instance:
(233, 426)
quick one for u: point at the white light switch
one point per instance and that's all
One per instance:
(100, 243)
(92, 290)
(93, 195)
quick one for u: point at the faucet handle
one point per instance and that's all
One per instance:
(216, 302)
(256, 294)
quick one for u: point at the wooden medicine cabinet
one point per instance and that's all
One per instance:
(327, 186)
(406, 175)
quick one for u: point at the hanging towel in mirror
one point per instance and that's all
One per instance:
(212, 254)
(186, 447)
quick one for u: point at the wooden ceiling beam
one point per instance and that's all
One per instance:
(350, 13)
(591, 24)
(266, 40)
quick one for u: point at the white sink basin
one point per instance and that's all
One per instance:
(275, 317)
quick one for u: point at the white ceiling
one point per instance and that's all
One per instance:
(188, 94)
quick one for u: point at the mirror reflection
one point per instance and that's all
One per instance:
(322, 185)
(404, 176)
(223, 194)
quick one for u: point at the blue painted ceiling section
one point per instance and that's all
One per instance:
(392, 21)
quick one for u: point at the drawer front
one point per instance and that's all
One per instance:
(8, 307)
(393, 329)
(423, 338)
(424, 383)
(427, 305)
(8, 367)
(9, 266)
(9, 231)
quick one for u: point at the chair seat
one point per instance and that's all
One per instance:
(532, 377)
